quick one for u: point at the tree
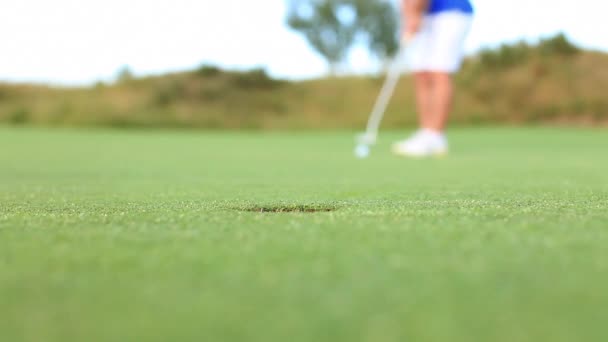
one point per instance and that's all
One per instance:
(332, 27)
(328, 25)
(379, 25)
(124, 74)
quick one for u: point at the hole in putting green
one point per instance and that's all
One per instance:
(303, 209)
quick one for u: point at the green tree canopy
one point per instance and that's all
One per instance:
(379, 27)
(333, 27)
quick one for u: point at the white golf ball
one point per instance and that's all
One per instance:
(362, 151)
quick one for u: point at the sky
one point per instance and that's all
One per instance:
(71, 42)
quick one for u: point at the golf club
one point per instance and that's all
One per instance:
(369, 138)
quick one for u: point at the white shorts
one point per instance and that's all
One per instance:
(439, 45)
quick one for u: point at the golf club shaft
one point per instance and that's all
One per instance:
(386, 93)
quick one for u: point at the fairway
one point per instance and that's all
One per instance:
(172, 236)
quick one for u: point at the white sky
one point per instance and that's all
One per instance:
(81, 41)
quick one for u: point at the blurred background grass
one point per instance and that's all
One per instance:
(551, 82)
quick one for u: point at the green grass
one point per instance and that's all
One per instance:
(149, 236)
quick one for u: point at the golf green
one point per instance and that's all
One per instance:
(217, 236)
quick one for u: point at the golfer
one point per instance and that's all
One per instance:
(437, 30)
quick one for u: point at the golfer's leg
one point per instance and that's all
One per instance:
(424, 98)
(449, 32)
(442, 96)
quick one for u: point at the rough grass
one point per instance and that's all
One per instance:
(147, 236)
(553, 82)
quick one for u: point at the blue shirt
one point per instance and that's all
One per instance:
(437, 6)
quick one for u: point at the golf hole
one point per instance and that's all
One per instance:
(302, 209)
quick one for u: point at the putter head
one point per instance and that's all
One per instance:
(364, 143)
(367, 138)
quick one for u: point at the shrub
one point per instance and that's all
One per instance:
(505, 56)
(208, 71)
(558, 45)
(256, 79)
(168, 92)
(124, 75)
(19, 116)
(99, 85)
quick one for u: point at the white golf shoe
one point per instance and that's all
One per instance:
(424, 143)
